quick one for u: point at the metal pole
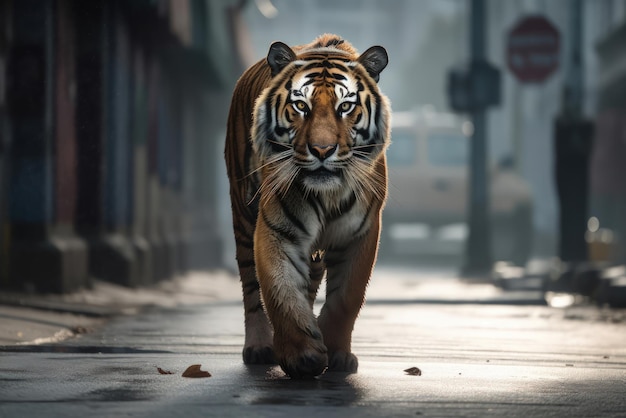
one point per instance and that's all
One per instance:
(478, 246)
(573, 143)
(575, 76)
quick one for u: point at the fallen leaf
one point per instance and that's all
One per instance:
(413, 371)
(194, 371)
(161, 371)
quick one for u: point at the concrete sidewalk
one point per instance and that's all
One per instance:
(38, 319)
(27, 319)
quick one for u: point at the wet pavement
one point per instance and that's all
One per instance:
(482, 352)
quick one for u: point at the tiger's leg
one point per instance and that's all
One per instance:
(283, 271)
(349, 271)
(258, 345)
(318, 268)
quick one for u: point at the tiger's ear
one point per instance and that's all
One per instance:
(374, 60)
(279, 56)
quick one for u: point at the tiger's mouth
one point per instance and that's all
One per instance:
(322, 178)
(323, 172)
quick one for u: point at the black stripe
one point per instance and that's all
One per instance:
(243, 238)
(379, 109)
(359, 231)
(310, 81)
(319, 56)
(334, 262)
(304, 274)
(245, 264)
(281, 230)
(251, 287)
(344, 207)
(276, 111)
(266, 111)
(312, 65)
(367, 148)
(316, 207)
(240, 230)
(276, 146)
(335, 256)
(368, 105)
(340, 67)
(292, 217)
(254, 309)
(244, 243)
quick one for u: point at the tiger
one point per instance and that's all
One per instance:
(306, 137)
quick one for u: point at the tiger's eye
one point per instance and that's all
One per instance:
(301, 106)
(346, 107)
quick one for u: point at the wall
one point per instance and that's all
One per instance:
(111, 116)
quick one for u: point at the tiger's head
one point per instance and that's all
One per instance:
(322, 123)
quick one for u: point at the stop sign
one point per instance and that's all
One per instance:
(532, 51)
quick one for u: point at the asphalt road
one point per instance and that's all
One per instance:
(481, 352)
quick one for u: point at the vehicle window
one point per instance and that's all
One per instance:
(403, 148)
(450, 150)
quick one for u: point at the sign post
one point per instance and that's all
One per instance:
(473, 88)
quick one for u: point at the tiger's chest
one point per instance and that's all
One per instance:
(326, 221)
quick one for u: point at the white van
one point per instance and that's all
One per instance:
(426, 211)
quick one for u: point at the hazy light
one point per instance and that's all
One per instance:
(560, 300)
(593, 224)
(453, 232)
(410, 231)
(467, 128)
(266, 8)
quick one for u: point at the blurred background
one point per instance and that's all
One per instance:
(509, 131)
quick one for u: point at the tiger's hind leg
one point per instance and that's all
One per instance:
(258, 345)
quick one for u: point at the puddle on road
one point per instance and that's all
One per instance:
(121, 394)
(273, 387)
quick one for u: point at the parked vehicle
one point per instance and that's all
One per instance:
(428, 194)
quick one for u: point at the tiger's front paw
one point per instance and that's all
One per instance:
(302, 359)
(305, 364)
(341, 361)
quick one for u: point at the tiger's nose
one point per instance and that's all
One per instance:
(322, 152)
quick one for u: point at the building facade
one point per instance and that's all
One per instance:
(111, 115)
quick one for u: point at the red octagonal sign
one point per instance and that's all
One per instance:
(532, 52)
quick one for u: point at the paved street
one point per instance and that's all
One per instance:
(482, 352)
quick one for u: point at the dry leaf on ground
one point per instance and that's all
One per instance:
(161, 371)
(194, 371)
(413, 371)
